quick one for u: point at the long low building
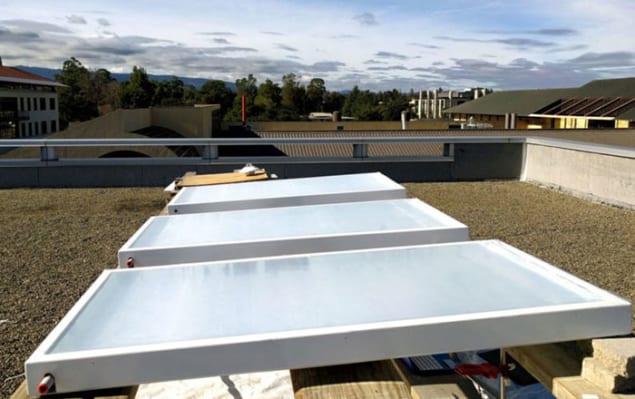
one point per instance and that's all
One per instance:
(599, 104)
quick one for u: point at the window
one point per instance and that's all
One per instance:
(52, 104)
(34, 104)
(36, 128)
(43, 127)
(42, 104)
(53, 126)
(21, 103)
(30, 129)
(28, 104)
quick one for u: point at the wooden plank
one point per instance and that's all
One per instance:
(446, 386)
(577, 387)
(220, 178)
(549, 361)
(371, 380)
(126, 393)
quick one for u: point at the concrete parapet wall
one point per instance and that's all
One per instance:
(602, 173)
(152, 174)
(189, 121)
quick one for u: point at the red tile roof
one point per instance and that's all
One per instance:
(10, 74)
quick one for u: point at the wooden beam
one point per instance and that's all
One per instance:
(126, 393)
(372, 380)
(578, 387)
(549, 361)
(450, 386)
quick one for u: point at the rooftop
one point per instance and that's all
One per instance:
(526, 102)
(51, 266)
(15, 75)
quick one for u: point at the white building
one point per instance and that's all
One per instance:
(28, 104)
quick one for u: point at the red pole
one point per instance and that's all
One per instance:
(244, 111)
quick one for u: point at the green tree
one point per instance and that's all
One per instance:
(391, 104)
(75, 101)
(333, 101)
(244, 87)
(190, 95)
(363, 105)
(137, 92)
(268, 100)
(350, 102)
(217, 92)
(315, 95)
(168, 92)
(293, 96)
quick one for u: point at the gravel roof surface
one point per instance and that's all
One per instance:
(55, 242)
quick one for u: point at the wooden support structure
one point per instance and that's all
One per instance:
(121, 393)
(549, 361)
(373, 380)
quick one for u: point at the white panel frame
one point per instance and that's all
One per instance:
(451, 231)
(388, 189)
(607, 315)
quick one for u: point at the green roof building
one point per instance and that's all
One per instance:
(608, 103)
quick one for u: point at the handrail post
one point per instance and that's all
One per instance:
(210, 152)
(360, 150)
(47, 154)
(448, 149)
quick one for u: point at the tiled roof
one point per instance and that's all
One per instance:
(334, 150)
(15, 75)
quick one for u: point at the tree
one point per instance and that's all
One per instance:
(333, 101)
(190, 95)
(315, 95)
(391, 104)
(137, 92)
(104, 90)
(168, 92)
(75, 102)
(217, 92)
(293, 95)
(350, 101)
(268, 100)
(244, 87)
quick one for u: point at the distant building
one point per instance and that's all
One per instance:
(432, 104)
(608, 103)
(28, 104)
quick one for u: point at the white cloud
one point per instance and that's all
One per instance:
(76, 19)
(367, 18)
(415, 46)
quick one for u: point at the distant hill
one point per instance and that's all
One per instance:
(122, 77)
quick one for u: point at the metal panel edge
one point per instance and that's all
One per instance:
(291, 246)
(352, 344)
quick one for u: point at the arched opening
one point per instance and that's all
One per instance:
(124, 154)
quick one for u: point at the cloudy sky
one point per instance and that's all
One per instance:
(418, 44)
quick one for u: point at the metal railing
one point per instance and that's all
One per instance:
(210, 146)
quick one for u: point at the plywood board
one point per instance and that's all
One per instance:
(220, 178)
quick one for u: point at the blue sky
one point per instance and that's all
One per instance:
(377, 45)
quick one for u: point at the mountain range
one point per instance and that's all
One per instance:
(50, 73)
